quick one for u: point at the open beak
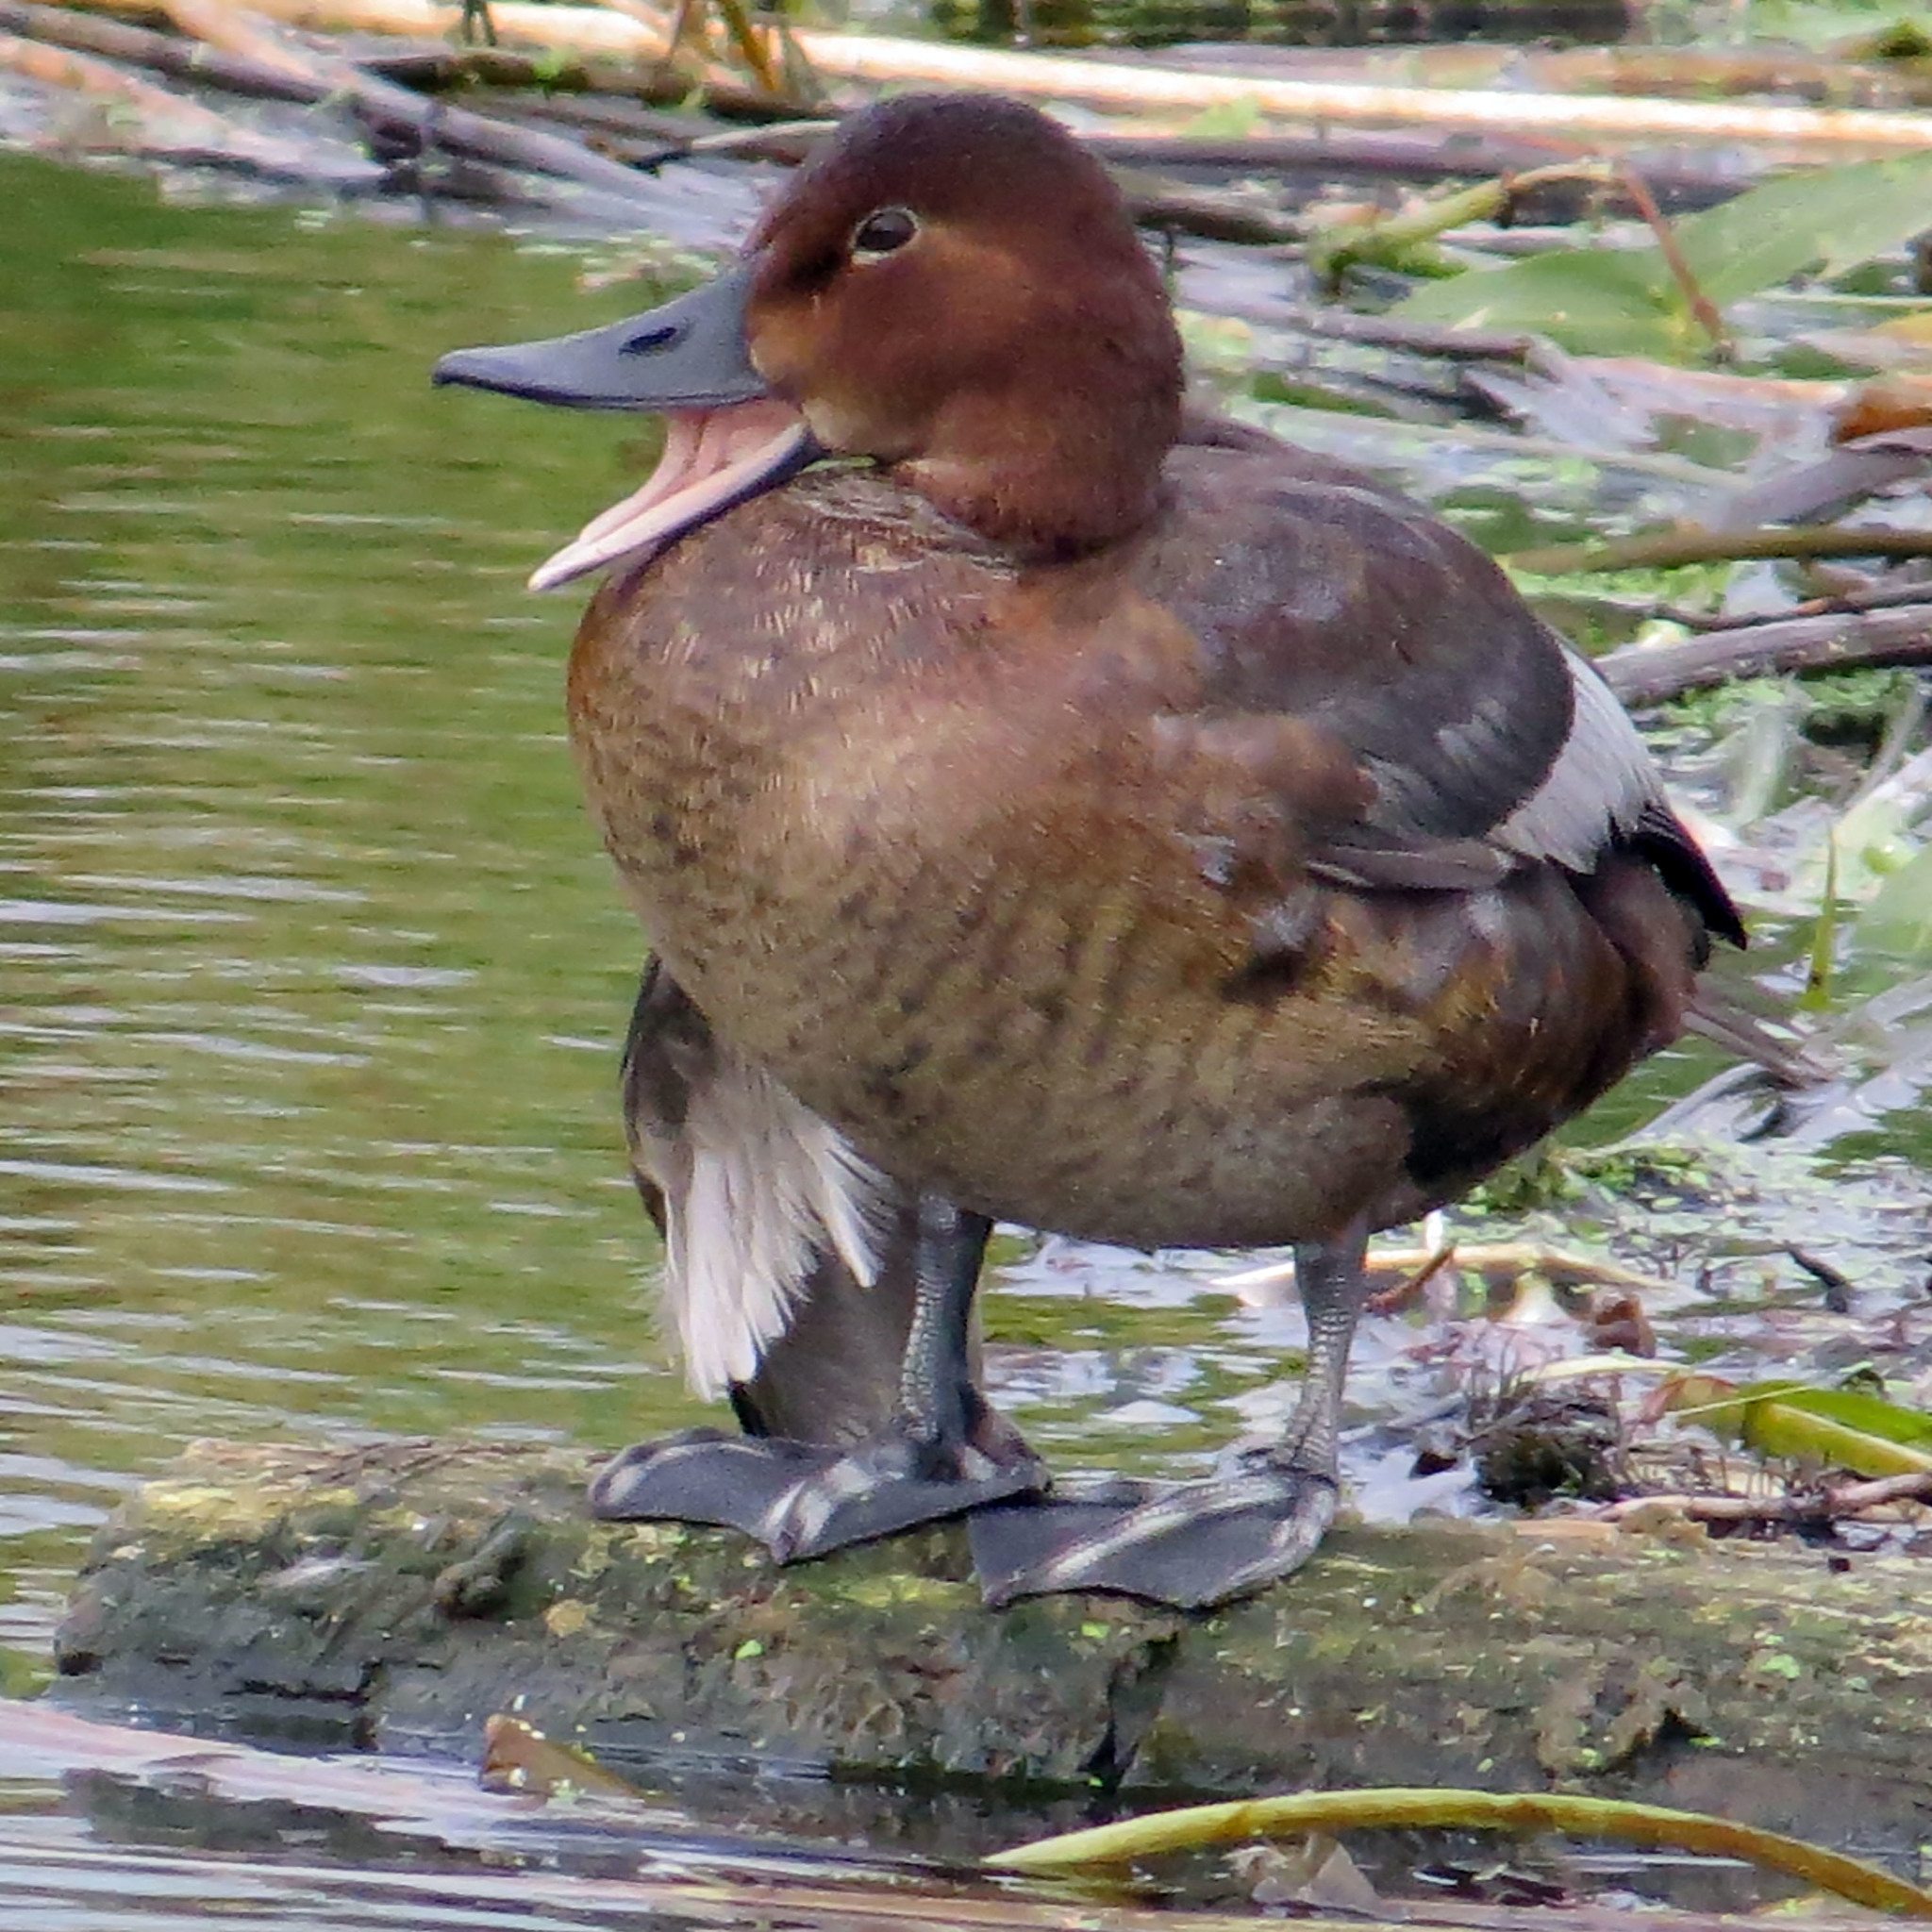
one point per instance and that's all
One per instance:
(726, 436)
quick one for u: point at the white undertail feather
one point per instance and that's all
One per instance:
(1600, 782)
(753, 1183)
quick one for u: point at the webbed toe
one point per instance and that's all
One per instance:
(1189, 1545)
(704, 1475)
(888, 1484)
(803, 1500)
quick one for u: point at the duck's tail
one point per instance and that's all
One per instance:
(1789, 1059)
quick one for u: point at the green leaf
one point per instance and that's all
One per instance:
(1896, 924)
(1841, 1427)
(1870, 1415)
(1595, 301)
(1830, 219)
(1626, 301)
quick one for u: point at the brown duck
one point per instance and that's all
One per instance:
(1045, 805)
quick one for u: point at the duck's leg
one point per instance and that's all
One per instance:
(941, 1450)
(862, 1416)
(944, 1451)
(1197, 1545)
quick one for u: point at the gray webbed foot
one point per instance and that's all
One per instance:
(805, 1499)
(890, 1484)
(704, 1475)
(1190, 1545)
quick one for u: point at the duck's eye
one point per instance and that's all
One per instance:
(882, 232)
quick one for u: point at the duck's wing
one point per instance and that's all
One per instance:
(1470, 739)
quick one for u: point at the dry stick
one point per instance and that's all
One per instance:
(1391, 332)
(1666, 549)
(1492, 1260)
(653, 20)
(1701, 305)
(1846, 1499)
(1647, 673)
(433, 67)
(1675, 185)
(1210, 213)
(169, 54)
(1398, 156)
(171, 123)
(1842, 603)
(1832, 80)
(1149, 89)
(751, 50)
(239, 31)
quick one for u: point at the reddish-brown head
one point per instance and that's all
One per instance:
(954, 288)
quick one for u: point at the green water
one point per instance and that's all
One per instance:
(313, 975)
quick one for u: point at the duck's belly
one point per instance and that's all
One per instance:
(1064, 1057)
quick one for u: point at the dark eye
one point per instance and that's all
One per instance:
(882, 232)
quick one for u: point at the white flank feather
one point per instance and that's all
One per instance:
(753, 1183)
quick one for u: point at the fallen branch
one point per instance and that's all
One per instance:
(1839, 76)
(1667, 549)
(169, 125)
(1391, 332)
(235, 30)
(226, 47)
(1492, 1260)
(1677, 185)
(140, 46)
(1648, 673)
(435, 66)
(1149, 88)
(1832, 1504)
(1841, 603)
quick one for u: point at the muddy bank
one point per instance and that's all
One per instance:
(398, 1597)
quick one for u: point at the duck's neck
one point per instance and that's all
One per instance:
(1054, 470)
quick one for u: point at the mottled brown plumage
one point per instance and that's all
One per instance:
(1035, 921)
(1102, 818)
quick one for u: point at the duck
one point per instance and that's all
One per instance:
(1048, 802)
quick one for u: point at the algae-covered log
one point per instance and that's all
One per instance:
(400, 1595)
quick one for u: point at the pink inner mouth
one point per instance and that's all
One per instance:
(712, 457)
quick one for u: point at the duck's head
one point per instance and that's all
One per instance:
(952, 288)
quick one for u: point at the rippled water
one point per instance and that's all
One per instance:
(314, 975)
(311, 975)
